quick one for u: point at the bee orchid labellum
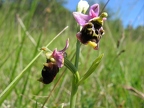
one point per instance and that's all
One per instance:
(49, 72)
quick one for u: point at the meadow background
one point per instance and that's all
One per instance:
(28, 25)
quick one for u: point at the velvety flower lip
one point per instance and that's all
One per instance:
(59, 55)
(82, 19)
(48, 72)
(90, 36)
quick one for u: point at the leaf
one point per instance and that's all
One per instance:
(91, 69)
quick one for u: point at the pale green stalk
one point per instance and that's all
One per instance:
(75, 78)
(73, 93)
(82, 7)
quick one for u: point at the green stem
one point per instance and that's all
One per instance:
(77, 54)
(73, 93)
(75, 79)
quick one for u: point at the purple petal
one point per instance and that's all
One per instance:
(58, 56)
(66, 46)
(94, 10)
(81, 19)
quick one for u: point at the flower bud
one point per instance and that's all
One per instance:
(82, 6)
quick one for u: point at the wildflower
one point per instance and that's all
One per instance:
(55, 60)
(92, 26)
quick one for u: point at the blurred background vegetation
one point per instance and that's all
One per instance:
(27, 25)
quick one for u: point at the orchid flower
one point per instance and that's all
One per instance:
(92, 26)
(55, 60)
(59, 55)
(56, 56)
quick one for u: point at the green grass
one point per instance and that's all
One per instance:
(103, 89)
